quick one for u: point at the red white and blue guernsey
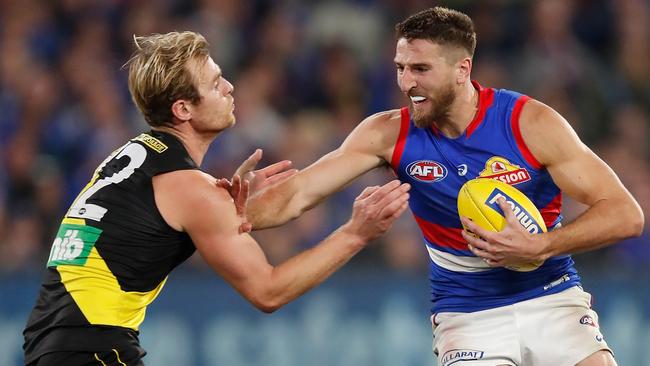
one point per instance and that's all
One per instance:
(437, 166)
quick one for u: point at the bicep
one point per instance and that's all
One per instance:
(575, 169)
(209, 217)
(584, 177)
(366, 148)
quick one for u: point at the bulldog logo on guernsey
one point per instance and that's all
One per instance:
(500, 168)
(428, 171)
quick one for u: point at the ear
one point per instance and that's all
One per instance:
(182, 110)
(464, 70)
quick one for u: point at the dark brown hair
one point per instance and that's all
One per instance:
(440, 25)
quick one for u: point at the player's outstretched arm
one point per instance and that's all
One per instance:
(370, 145)
(613, 214)
(208, 215)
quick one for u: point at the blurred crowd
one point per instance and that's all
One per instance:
(305, 74)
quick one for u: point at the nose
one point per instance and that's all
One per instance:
(229, 87)
(406, 81)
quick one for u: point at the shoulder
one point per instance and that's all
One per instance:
(383, 125)
(385, 119)
(181, 194)
(377, 134)
(545, 132)
(190, 184)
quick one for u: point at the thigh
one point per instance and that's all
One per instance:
(66, 358)
(600, 358)
(560, 329)
(483, 338)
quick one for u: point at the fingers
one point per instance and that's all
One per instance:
(276, 168)
(393, 202)
(507, 210)
(250, 163)
(380, 193)
(245, 227)
(399, 211)
(472, 227)
(244, 191)
(366, 192)
(279, 177)
(224, 183)
(394, 198)
(479, 247)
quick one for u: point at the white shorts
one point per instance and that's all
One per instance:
(553, 330)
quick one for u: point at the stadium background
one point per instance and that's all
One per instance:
(305, 73)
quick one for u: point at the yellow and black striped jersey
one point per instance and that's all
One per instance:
(112, 253)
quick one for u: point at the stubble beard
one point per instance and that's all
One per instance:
(439, 111)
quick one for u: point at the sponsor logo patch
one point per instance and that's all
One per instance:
(427, 171)
(524, 217)
(587, 320)
(152, 142)
(500, 168)
(455, 355)
(72, 245)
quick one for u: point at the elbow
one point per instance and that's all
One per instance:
(638, 224)
(266, 309)
(266, 304)
(635, 221)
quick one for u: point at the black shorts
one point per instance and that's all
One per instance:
(76, 346)
(112, 358)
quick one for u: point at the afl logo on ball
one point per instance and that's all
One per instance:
(427, 171)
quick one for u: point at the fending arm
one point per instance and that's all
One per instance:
(367, 147)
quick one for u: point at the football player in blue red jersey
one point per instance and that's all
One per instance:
(454, 130)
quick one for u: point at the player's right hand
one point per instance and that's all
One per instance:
(376, 208)
(262, 178)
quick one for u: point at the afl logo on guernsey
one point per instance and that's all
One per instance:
(428, 171)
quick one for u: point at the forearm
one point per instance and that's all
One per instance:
(606, 222)
(289, 199)
(274, 206)
(307, 270)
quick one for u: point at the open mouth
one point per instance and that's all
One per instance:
(418, 99)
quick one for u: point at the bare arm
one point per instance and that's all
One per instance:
(613, 214)
(369, 146)
(208, 215)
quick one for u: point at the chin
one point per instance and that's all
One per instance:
(421, 119)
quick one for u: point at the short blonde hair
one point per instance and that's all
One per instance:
(158, 73)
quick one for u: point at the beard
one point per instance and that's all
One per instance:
(439, 111)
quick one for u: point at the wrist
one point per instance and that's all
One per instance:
(545, 243)
(351, 236)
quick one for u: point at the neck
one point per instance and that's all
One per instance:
(462, 111)
(196, 145)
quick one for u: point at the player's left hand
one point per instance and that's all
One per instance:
(511, 246)
(261, 178)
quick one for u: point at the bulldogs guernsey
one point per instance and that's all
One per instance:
(437, 167)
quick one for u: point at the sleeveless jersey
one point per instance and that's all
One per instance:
(111, 255)
(437, 166)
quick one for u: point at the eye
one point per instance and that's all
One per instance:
(400, 68)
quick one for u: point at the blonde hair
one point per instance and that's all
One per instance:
(158, 73)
